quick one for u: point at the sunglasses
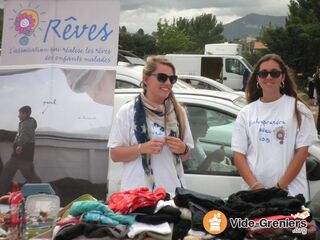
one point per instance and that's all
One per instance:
(162, 77)
(273, 74)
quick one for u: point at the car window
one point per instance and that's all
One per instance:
(199, 84)
(234, 66)
(124, 84)
(211, 130)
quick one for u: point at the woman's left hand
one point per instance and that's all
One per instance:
(175, 145)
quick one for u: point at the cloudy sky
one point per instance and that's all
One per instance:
(145, 14)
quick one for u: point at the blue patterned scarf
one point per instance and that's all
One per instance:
(142, 136)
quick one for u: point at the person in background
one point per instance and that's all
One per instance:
(151, 134)
(310, 87)
(316, 81)
(199, 159)
(23, 152)
(273, 132)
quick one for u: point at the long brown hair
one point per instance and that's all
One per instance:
(150, 66)
(254, 92)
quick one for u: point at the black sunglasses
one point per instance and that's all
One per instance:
(162, 77)
(273, 74)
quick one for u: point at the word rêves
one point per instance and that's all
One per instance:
(69, 29)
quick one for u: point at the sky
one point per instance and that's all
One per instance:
(136, 14)
(145, 14)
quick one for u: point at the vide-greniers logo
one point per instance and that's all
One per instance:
(215, 222)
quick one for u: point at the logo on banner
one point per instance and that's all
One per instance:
(25, 24)
(215, 222)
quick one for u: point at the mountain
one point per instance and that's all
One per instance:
(250, 25)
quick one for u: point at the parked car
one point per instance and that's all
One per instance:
(129, 57)
(200, 82)
(221, 109)
(130, 76)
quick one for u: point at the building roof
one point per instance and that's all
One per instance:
(259, 45)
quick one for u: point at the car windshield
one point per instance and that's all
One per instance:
(247, 63)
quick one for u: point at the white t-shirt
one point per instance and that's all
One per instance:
(163, 164)
(268, 134)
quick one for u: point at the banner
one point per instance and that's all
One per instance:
(65, 102)
(59, 57)
(81, 33)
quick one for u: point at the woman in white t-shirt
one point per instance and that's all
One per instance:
(273, 132)
(151, 134)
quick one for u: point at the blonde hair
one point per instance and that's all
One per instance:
(150, 66)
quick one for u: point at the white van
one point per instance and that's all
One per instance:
(223, 48)
(227, 69)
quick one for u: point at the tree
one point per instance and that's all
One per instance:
(140, 44)
(301, 34)
(202, 29)
(193, 34)
(299, 41)
(140, 32)
(123, 29)
(170, 39)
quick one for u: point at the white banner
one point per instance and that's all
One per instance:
(81, 33)
(65, 102)
(59, 57)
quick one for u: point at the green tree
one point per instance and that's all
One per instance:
(299, 41)
(202, 30)
(140, 32)
(139, 43)
(171, 40)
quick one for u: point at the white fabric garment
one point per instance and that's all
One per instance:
(268, 134)
(161, 204)
(164, 170)
(185, 212)
(137, 228)
(200, 234)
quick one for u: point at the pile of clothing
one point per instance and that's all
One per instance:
(141, 214)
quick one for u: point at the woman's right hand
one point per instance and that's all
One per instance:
(258, 186)
(154, 146)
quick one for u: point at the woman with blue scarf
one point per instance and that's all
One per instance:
(151, 134)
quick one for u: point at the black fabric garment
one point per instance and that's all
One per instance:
(91, 230)
(145, 210)
(199, 204)
(243, 204)
(263, 202)
(180, 229)
(183, 197)
(260, 203)
(165, 214)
